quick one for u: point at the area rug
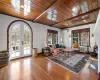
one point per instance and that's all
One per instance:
(94, 66)
(75, 62)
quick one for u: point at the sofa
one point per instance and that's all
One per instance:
(75, 46)
(56, 48)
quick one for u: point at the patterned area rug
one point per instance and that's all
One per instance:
(75, 62)
(94, 66)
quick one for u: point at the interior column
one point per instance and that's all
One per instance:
(97, 38)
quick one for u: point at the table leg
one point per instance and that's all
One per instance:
(67, 54)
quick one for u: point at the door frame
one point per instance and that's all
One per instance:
(8, 29)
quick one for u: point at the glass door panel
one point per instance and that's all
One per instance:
(27, 41)
(15, 42)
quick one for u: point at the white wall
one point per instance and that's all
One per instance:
(67, 33)
(39, 32)
(97, 38)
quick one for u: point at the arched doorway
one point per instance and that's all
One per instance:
(20, 39)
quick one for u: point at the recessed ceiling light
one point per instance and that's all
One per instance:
(74, 9)
(84, 20)
(22, 6)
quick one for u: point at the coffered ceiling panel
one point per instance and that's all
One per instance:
(60, 11)
(57, 13)
(65, 9)
(27, 9)
(99, 3)
(88, 18)
(11, 11)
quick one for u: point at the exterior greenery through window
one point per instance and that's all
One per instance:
(52, 37)
(81, 36)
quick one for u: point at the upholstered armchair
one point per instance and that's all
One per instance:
(75, 46)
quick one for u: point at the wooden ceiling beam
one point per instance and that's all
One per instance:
(46, 9)
(77, 16)
(81, 24)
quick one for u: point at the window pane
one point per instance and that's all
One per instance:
(49, 38)
(85, 38)
(52, 38)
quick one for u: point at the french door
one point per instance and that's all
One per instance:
(19, 40)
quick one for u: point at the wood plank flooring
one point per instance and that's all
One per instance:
(42, 69)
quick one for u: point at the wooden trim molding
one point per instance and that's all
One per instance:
(9, 28)
(52, 31)
(81, 30)
(81, 25)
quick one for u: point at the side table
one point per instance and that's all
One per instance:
(46, 51)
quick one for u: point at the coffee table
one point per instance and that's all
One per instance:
(68, 51)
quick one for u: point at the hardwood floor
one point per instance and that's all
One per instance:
(42, 69)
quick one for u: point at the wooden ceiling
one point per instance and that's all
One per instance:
(58, 13)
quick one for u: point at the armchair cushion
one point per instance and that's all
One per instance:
(75, 45)
(57, 45)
